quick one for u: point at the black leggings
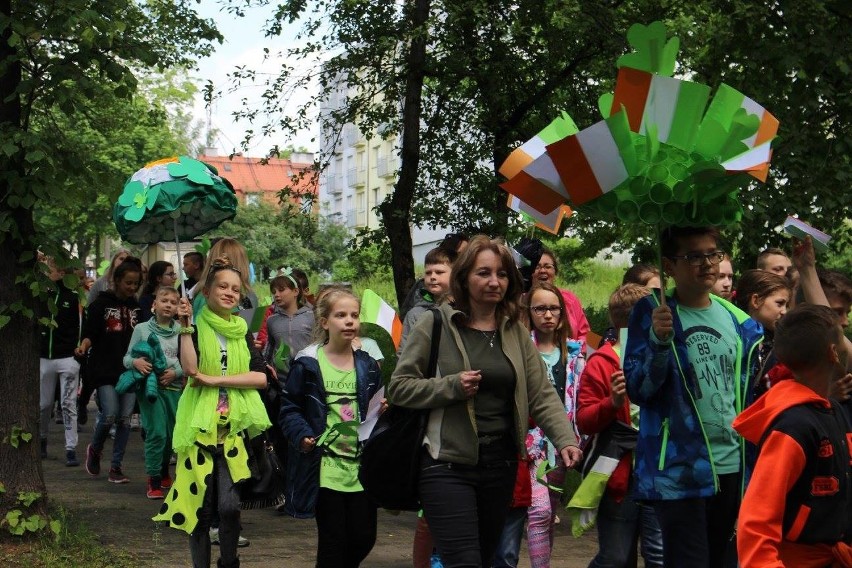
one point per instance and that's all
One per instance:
(346, 528)
(222, 498)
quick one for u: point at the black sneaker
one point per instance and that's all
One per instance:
(116, 476)
(71, 459)
(93, 461)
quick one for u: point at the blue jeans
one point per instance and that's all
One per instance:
(620, 525)
(509, 548)
(114, 409)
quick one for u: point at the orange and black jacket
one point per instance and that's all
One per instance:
(799, 502)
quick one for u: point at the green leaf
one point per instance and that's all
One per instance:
(55, 526)
(13, 517)
(26, 436)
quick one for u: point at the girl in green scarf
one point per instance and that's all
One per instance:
(219, 405)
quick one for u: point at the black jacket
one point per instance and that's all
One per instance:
(109, 324)
(59, 341)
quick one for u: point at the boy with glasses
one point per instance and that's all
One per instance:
(688, 364)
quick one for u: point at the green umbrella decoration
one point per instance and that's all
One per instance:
(661, 155)
(177, 198)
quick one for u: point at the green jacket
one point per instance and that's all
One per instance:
(451, 432)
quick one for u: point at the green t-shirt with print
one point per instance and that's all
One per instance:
(339, 465)
(711, 341)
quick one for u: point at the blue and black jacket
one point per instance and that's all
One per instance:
(304, 414)
(673, 456)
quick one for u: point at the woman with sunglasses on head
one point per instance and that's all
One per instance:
(218, 411)
(546, 271)
(160, 273)
(492, 379)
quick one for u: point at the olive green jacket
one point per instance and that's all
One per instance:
(451, 432)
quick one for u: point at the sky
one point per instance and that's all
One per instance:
(243, 46)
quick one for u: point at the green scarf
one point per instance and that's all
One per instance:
(157, 329)
(196, 412)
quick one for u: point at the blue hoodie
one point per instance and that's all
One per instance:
(673, 459)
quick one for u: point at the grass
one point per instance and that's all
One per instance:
(595, 289)
(74, 547)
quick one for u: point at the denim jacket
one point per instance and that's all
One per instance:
(673, 457)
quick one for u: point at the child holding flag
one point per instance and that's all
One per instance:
(327, 394)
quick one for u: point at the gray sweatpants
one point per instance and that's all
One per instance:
(67, 372)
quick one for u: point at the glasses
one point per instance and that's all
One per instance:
(699, 258)
(545, 267)
(217, 266)
(541, 310)
(171, 274)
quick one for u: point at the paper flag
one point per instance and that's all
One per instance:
(550, 222)
(521, 157)
(532, 175)
(800, 229)
(723, 109)
(254, 317)
(348, 428)
(596, 160)
(538, 185)
(673, 106)
(375, 310)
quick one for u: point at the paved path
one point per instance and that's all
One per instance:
(121, 516)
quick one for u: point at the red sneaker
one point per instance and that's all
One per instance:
(166, 483)
(154, 492)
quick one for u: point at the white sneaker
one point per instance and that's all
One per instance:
(134, 422)
(242, 541)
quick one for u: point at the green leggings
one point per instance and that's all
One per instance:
(158, 419)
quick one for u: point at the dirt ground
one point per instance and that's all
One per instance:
(121, 516)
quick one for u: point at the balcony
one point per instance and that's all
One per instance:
(335, 185)
(352, 136)
(387, 167)
(350, 218)
(355, 178)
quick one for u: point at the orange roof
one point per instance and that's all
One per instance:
(249, 175)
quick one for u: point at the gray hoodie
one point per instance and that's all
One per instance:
(295, 331)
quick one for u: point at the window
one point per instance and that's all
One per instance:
(226, 167)
(252, 199)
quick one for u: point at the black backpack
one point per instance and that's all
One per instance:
(390, 458)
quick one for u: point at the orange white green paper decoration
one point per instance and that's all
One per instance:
(661, 155)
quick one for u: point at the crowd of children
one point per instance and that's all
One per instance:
(729, 405)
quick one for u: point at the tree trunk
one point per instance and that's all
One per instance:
(20, 468)
(396, 211)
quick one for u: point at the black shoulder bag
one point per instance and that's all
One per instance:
(390, 458)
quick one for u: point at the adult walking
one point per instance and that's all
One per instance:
(491, 380)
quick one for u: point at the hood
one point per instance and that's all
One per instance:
(753, 422)
(301, 311)
(606, 352)
(110, 297)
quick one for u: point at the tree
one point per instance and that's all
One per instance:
(58, 55)
(281, 237)
(495, 72)
(115, 138)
